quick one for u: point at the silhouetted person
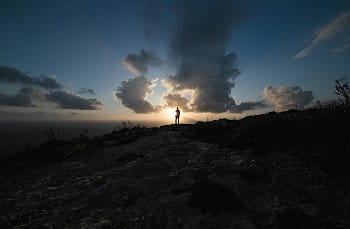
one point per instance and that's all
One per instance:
(177, 116)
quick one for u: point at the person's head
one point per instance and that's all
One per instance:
(177, 108)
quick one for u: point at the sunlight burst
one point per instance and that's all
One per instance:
(170, 113)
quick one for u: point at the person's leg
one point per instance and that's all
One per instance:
(175, 119)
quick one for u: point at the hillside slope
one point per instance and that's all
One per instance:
(164, 180)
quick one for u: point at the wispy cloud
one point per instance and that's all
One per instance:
(87, 91)
(345, 46)
(342, 79)
(335, 28)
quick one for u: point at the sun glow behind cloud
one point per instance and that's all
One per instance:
(169, 114)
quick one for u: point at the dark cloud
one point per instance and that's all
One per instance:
(197, 33)
(37, 88)
(198, 42)
(35, 93)
(286, 98)
(64, 99)
(87, 91)
(246, 106)
(17, 100)
(45, 82)
(133, 93)
(177, 100)
(67, 100)
(139, 63)
(13, 75)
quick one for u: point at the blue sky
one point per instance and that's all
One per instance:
(83, 44)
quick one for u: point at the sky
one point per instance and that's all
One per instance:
(139, 60)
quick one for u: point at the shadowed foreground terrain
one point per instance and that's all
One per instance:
(278, 170)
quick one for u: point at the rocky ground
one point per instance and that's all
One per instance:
(164, 180)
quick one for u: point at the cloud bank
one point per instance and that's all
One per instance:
(68, 100)
(286, 98)
(247, 106)
(337, 27)
(139, 63)
(35, 93)
(40, 89)
(23, 98)
(17, 100)
(133, 93)
(63, 99)
(13, 75)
